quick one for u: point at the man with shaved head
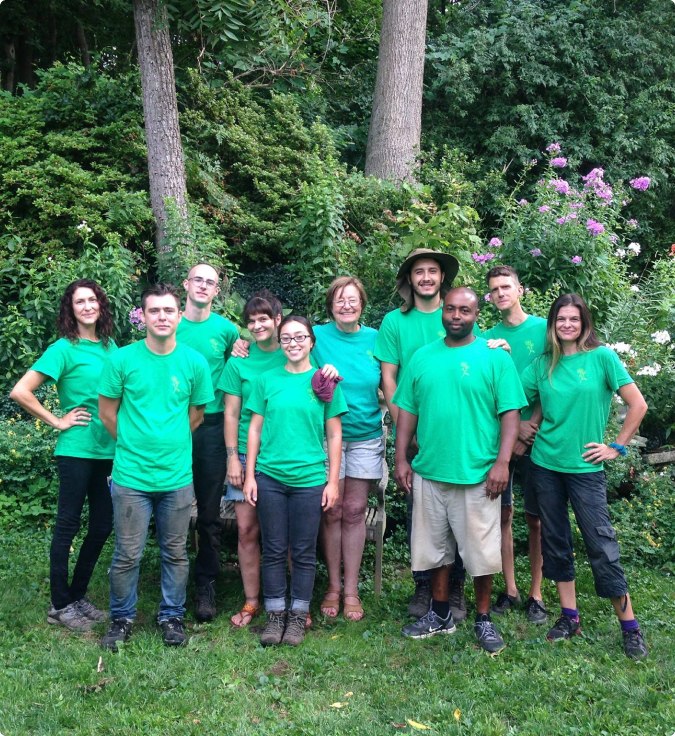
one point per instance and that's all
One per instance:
(213, 336)
(463, 400)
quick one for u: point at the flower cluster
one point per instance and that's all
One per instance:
(553, 148)
(593, 180)
(84, 227)
(661, 337)
(595, 227)
(560, 162)
(641, 183)
(480, 258)
(577, 259)
(649, 370)
(561, 186)
(136, 319)
(535, 252)
(495, 243)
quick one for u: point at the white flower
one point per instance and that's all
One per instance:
(620, 347)
(635, 248)
(83, 226)
(635, 287)
(633, 276)
(650, 370)
(661, 337)
(620, 253)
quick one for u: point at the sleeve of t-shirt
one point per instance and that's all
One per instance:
(111, 382)
(404, 396)
(615, 373)
(337, 404)
(386, 345)
(231, 336)
(52, 362)
(202, 388)
(528, 380)
(510, 393)
(230, 378)
(256, 399)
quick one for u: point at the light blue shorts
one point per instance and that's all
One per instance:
(232, 493)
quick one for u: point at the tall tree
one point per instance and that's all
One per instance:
(166, 168)
(396, 120)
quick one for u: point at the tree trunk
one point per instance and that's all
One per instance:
(10, 65)
(396, 120)
(25, 64)
(82, 43)
(165, 151)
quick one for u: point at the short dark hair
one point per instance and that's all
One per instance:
(161, 289)
(507, 271)
(262, 302)
(340, 283)
(302, 320)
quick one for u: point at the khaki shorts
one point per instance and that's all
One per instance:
(361, 459)
(447, 516)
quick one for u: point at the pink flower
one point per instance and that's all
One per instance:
(495, 243)
(554, 148)
(561, 220)
(561, 186)
(560, 162)
(487, 298)
(577, 206)
(577, 259)
(632, 222)
(535, 252)
(594, 227)
(523, 202)
(641, 183)
(544, 208)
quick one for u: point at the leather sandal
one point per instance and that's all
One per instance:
(331, 600)
(246, 610)
(353, 608)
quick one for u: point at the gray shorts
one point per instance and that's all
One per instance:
(232, 493)
(361, 459)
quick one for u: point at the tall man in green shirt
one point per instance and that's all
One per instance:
(526, 337)
(212, 336)
(463, 400)
(152, 395)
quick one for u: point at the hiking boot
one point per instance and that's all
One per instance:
(71, 617)
(634, 644)
(564, 628)
(421, 600)
(295, 629)
(174, 631)
(118, 632)
(429, 625)
(536, 613)
(274, 628)
(505, 602)
(89, 610)
(457, 600)
(487, 634)
(205, 602)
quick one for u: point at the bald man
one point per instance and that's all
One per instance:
(463, 400)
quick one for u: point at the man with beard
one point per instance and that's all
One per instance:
(463, 400)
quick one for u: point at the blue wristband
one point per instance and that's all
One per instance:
(621, 449)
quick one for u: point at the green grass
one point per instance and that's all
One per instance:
(225, 683)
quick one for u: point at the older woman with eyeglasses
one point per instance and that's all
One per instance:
(349, 346)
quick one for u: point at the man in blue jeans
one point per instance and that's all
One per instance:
(151, 398)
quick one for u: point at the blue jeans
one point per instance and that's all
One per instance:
(587, 492)
(132, 511)
(289, 518)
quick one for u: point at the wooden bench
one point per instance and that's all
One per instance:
(376, 520)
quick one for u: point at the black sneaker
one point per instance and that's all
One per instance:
(634, 644)
(536, 613)
(273, 632)
(205, 602)
(457, 600)
(174, 632)
(505, 602)
(488, 636)
(89, 610)
(564, 628)
(118, 632)
(421, 599)
(429, 625)
(294, 633)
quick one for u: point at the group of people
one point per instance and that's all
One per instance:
(291, 425)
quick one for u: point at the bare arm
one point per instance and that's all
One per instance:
(24, 395)
(196, 415)
(389, 378)
(498, 476)
(405, 430)
(235, 472)
(331, 492)
(107, 413)
(252, 450)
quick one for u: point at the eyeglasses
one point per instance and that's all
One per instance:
(299, 339)
(199, 281)
(354, 302)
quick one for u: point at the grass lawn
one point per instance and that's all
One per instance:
(225, 683)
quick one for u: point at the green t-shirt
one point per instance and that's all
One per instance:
(238, 377)
(527, 341)
(213, 338)
(76, 368)
(352, 353)
(154, 442)
(291, 446)
(575, 404)
(458, 395)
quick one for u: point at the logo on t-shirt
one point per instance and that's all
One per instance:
(582, 375)
(176, 384)
(215, 346)
(530, 347)
(441, 333)
(465, 369)
(311, 393)
(373, 361)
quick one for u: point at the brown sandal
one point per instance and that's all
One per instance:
(246, 610)
(329, 601)
(348, 608)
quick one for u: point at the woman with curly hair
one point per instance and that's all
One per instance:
(84, 450)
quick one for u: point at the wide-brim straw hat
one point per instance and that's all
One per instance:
(449, 264)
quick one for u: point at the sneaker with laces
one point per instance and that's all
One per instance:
(421, 599)
(174, 631)
(536, 612)
(564, 628)
(505, 602)
(634, 644)
(273, 632)
(71, 617)
(89, 610)
(487, 634)
(429, 625)
(205, 602)
(457, 600)
(294, 633)
(118, 632)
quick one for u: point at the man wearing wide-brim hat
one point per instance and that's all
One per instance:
(423, 279)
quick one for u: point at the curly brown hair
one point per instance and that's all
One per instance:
(66, 322)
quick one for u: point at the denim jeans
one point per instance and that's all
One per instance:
(79, 479)
(289, 518)
(132, 510)
(209, 468)
(587, 493)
